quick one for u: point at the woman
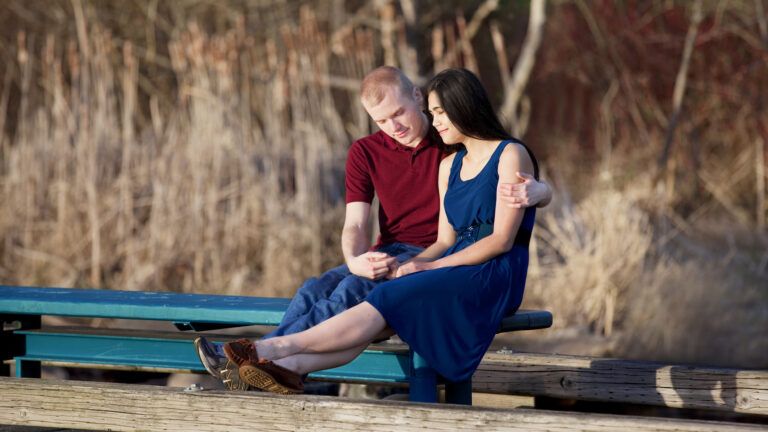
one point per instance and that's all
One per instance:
(448, 301)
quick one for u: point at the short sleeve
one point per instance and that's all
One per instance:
(358, 180)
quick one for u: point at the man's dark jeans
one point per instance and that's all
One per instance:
(332, 293)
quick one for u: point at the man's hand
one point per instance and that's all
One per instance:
(372, 265)
(525, 194)
(413, 267)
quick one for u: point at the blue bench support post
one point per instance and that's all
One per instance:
(459, 392)
(27, 368)
(11, 344)
(423, 382)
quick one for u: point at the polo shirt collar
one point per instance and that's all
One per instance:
(428, 140)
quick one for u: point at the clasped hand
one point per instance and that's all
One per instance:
(372, 265)
(412, 266)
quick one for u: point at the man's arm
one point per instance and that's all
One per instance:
(356, 240)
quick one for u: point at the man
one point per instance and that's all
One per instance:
(399, 163)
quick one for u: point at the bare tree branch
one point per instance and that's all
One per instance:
(469, 33)
(408, 42)
(501, 53)
(387, 13)
(465, 43)
(362, 15)
(762, 21)
(681, 80)
(524, 65)
(760, 182)
(616, 68)
(409, 11)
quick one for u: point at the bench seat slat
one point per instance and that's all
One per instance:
(190, 308)
(162, 306)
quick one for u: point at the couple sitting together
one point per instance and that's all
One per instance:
(457, 206)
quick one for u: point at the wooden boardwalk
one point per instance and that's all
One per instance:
(34, 429)
(120, 407)
(614, 380)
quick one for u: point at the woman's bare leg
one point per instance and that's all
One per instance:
(306, 363)
(349, 330)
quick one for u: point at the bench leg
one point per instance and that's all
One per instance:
(423, 382)
(11, 344)
(459, 392)
(27, 369)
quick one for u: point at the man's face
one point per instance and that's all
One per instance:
(400, 116)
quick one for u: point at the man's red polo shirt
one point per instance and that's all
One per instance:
(404, 179)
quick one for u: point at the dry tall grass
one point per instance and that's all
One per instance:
(237, 187)
(591, 254)
(204, 151)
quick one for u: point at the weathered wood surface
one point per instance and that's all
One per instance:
(133, 305)
(7, 428)
(4, 428)
(586, 378)
(120, 407)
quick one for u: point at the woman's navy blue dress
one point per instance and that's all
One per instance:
(450, 315)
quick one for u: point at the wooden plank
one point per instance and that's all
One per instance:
(163, 306)
(121, 407)
(180, 307)
(490, 400)
(611, 380)
(7, 428)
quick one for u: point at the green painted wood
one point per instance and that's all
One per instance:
(176, 351)
(178, 307)
(163, 306)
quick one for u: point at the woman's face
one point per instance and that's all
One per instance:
(448, 132)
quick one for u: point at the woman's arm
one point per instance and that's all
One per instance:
(507, 220)
(446, 235)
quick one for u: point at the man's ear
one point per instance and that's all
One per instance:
(417, 95)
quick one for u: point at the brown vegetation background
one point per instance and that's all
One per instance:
(199, 146)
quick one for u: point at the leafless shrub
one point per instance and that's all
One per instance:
(588, 256)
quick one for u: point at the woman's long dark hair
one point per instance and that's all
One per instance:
(466, 103)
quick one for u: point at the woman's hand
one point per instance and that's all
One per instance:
(413, 267)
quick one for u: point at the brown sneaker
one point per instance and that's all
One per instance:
(270, 377)
(218, 365)
(241, 351)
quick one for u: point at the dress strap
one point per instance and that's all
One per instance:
(456, 165)
(497, 153)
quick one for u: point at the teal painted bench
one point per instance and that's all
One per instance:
(25, 342)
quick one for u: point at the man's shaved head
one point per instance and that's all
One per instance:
(375, 84)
